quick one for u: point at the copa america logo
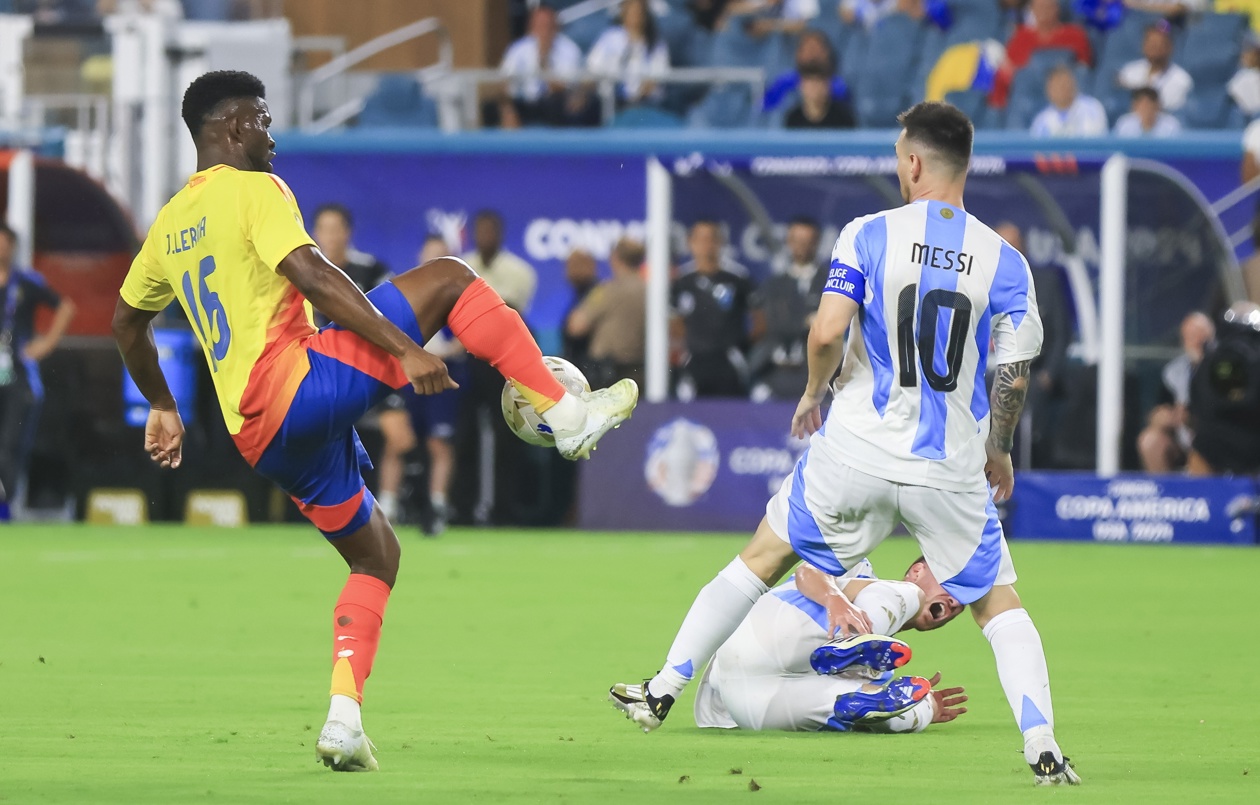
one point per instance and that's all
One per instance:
(682, 462)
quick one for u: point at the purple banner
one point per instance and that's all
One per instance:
(705, 466)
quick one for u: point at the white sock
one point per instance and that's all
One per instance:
(1021, 666)
(567, 415)
(438, 499)
(718, 611)
(346, 710)
(389, 504)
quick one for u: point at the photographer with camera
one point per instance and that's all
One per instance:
(1225, 398)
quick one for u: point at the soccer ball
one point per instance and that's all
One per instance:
(520, 415)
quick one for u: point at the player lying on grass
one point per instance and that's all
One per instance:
(785, 668)
(920, 291)
(231, 247)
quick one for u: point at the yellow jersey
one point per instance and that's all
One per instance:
(215, 247)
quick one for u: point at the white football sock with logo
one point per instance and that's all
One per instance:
(1021, 665)
(346, 710)
(718, 611)
(567, 415)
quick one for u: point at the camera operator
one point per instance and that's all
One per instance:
(1225, 398)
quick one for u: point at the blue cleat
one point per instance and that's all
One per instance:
(876, 653)
(854, 709)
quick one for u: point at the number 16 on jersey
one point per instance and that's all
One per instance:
(216, 334)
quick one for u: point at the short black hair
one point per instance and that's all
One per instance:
(211, 89)
(7, 230)
(492, 216)
(805, 220)
(1145, 92)
(942, 127)
(336, 209)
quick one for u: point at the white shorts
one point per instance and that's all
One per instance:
(834, 516)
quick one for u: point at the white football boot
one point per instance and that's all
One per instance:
(605, 409)
(640, 706)
(343, 748)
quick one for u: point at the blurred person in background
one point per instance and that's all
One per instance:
(333, 231)
(1156, 69)
(1225, 398)
(819, 108)
(1244, 85)
(786, 303)
(491, 461)
(773, 16)
(633, 52)
(710, 315)
(1145, 117)
(22, 294)
(1070, 113)
(613, 316)
(1165, 442)
(1049, 369)
(1046, 30)
(706, 241)
(813, 53)
(1251, 268)
(433, 417)
(868, 13)
(582, 274)
(1172, 9)
(531, 100)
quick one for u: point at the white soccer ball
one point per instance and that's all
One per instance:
(521, 416)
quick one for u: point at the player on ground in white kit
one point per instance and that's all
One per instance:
(911, 436)
(782, 671)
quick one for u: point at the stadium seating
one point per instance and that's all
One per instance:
(880, 84)
(646, 117)
(724, 107)
(974, 20)
(585, 30)
(398, 101)
(208, 9)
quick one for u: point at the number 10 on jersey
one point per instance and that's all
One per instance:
(216, 334)
(929, 315)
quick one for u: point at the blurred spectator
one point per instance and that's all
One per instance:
(1157, 70)
(22, 293)
(1164, 443)
(511, 277)
(786, 303)
(167, 8)
(1046, 391)
(1101, 15)
(60, 12)
(633, 52)
(332, 230)
(813, 53)
(868, 13)
(1173, 9)
(581, 273)
(1046, 31)
(818, 109)
(1146, 118)
(710, 307)
(1244, 86)
(1251, 268)
(767, 17)
(1070, 114)
(1225, 398)
(434, 417)
(531, 100)
(707, 243)
(613, 316)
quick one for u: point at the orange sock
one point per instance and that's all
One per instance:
(356, 633)
(494, 332)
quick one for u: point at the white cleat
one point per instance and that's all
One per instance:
(605, 409)
(639, 706)
(343, 748)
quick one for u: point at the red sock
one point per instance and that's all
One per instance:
(494, 332)
(356, 633)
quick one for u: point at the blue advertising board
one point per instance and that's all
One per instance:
(703, 466)
(178, 353)
(1132, 508)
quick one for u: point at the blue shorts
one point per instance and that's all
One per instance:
(437, 414)
(316, 456)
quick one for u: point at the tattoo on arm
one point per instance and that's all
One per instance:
(1007, 403)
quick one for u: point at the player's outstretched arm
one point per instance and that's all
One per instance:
(825, 352)
(337, 297)
(1006, 403)
(164, 432)
(842, 615)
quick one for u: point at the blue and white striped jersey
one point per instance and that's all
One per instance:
(935, 285)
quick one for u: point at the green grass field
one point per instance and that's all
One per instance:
(171, 665)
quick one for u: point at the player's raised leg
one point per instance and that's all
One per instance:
(447, 293)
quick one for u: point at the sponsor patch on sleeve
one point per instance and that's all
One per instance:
(846, 281)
